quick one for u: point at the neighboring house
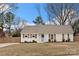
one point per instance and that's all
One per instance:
(47, 33)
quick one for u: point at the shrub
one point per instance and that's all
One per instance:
(31, 42)
(16, 35)
(25, 41)
(34, 41)
(68, 40)
(63, 40)
(54, 40)
(49, 40)
(2, 34)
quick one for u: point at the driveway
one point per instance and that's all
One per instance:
(7, 44)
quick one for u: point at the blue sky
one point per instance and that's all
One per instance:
(29, 12)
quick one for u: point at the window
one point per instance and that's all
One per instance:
(51, 36)
(30, 35)
(42, 35)
(26, 35)
(54, 36)
(63, 38)
(68, 36)
(34, 35)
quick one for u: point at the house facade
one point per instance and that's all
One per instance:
(47, 33)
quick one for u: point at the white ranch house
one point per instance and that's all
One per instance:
(47, 33)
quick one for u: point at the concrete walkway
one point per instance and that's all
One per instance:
(6, 44)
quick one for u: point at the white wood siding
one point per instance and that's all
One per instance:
(46, 37)
(22, 39)
(71, 37)
(38, 39)
(65, 37)
(59, 37)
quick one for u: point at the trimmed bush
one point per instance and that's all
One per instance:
(34, 41)
(68, 40)
(16, 35)
(31, 42)
(54, 40)
(49, 40)
(25, 42)
(2, 34)
(63, 40)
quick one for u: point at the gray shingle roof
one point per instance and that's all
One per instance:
(55, 29)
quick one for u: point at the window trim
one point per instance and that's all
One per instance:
(68, 36)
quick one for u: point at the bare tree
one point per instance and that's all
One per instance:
(18, 24)
(9, 17)
(62, 12)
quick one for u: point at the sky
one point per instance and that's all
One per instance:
(28, 12)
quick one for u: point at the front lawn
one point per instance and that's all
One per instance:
(41, 49)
